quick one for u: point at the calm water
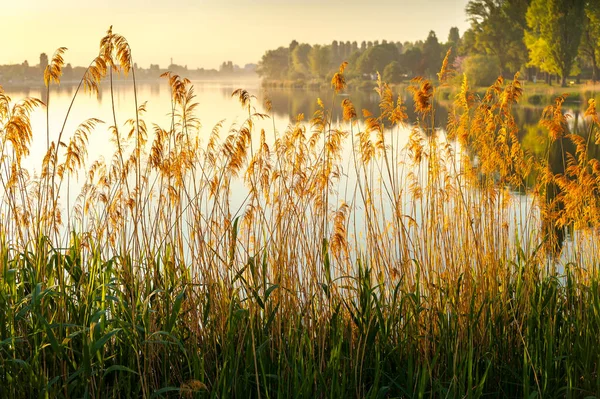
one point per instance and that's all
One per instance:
(216, 104)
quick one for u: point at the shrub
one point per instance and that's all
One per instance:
(481, 70)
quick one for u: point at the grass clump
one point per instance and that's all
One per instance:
(387, 270)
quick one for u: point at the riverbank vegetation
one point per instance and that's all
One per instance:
(543, 40)
(355, 266)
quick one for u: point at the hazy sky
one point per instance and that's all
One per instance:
(204, 33)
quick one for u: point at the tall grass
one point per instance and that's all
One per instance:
(387, 270)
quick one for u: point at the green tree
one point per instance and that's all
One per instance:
(375, 58)
(467, 43)
(341, 53)
(399, 47)
(453, 43)
(319, 59)
(590, 39)
(352, 70)
(432, 54)
(539, 54)
(481, 70)
(68, 72)
(412, 60)
(300, 63)
(348, 49)
(335, 50)
(393, 72)
(43, 61)
(293, 44)
(454, 36)
(274, 64)
(556, 27)
(498, 28)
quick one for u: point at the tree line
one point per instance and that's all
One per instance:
(395, 60)
(542, 39)
(25, 74)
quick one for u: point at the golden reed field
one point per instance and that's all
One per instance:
(457, 266)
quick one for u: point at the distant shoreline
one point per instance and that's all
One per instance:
(120, 80)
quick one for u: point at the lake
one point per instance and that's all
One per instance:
(216, 105)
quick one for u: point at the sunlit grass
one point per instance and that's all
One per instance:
(419, 279)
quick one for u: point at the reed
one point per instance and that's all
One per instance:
(385, 270)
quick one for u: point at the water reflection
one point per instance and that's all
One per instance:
(216, 103)
(288, 103)
(555, 235)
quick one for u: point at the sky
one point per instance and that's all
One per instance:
(204, 33)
